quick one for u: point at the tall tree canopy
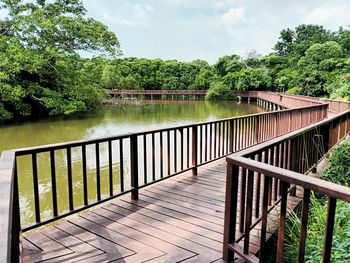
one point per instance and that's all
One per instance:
(40, 67)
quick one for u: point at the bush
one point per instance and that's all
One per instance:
(315, 234)
(337, 172)
(294, 91)
(339, 165)
(219, 91)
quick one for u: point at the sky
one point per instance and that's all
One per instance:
(208, 29)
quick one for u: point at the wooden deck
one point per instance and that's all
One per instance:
(179, 219)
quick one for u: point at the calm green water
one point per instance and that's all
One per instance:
(130, 116)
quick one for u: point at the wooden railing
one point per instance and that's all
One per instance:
(175, 92)
(156, 92)
(270, 173)
(135, 160)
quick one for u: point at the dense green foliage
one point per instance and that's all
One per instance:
(339, 165)
(218, 90)
(337, 172)
(40, 68)
(42, 71)
(315, 233)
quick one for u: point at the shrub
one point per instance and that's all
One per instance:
(294, 91)
(337, 172)
(218, 91)
(339, 165)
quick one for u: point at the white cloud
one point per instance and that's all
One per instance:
(328, 14)
(233, 15)
(130, 15)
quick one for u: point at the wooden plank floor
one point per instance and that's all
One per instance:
(178, 220)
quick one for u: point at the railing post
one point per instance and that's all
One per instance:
(230, 210)
(194, 150)
(16, 220)
(134, 168)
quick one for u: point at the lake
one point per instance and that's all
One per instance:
(124, 117)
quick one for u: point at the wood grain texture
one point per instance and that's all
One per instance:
(179, 219)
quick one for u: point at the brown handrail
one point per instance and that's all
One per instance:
(278, 165)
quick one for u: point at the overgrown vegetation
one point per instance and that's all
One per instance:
(337, 172)
(42, 72)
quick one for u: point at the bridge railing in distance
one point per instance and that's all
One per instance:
(270, 174)
(156, 92)
(131, 162)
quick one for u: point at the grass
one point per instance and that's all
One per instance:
(337, 172)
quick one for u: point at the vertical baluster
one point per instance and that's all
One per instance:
(262, 252)
(194, 150)
(257, 190)
(222, 137)
(188, 147)
(153, 159)
(98, 171)
(239, 134)
(36, 187)
(70, 179)
(121, 165)
(110, 161)
(175, 151)
(210, 141)
(277, 160)
(205, 143)
(304, 221)
(168, 150)
(53, 183)
(332, 202)
(145, 158)
(134, 168)
(181, 149)
(283, 211)
(227, 137)
(235, 135)
(219, 140)
(85, 188)
(242, 199)
(257, 129)
(161, 153)
(231, 145)
(248, 213)
(244, 136)
(215, 138)
(251, 131)
(200, 143)
(270, 161)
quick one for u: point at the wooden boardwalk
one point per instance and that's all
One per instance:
(178, 220)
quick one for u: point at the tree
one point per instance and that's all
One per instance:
(111, 77)
(228, 64)
(315, 66)
(247, 79)
(218, 90)
(39, 48)
(297, 41)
